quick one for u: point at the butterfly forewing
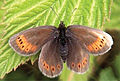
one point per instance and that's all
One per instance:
(92, 40)
(78, 58)
(50, 62)
(30, 41)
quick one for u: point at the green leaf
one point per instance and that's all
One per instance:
(24, 14)
(107, 75)
(19, 75)
(1, 10)
(116, 66)
(2, 13)
(114, 23)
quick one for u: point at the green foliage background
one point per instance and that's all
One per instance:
(18, 15)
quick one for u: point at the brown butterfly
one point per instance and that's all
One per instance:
(58, 45)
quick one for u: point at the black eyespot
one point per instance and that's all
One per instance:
(22, 46)
(101, 42)
(100, 45)
(83, 63)
(44, 64)
(86, 60)
(18, 37)
(102, 39)
(21, 42)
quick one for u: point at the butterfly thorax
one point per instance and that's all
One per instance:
(62, 41)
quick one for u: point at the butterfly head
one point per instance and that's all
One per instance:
(61, 25)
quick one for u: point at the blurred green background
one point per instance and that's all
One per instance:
(105, 67)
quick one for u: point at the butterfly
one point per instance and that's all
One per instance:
(71, 45)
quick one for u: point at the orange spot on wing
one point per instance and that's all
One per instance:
(34, 48)
(58, 67)
(53, 69)
(83, 65)
(72, 65)
(28, 48)
(97, 45)
(84, 62)
(24, 45)
(45, 66)
(79, 65)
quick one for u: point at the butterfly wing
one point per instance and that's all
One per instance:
(30, 41)
(92, 40)
(77, 58)
(50, 62)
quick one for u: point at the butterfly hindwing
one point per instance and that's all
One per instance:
(77, 58)
(30, 41)
(92, 40)
(50, 62)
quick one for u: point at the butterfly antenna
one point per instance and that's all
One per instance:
(55, 13)
(74, 10)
